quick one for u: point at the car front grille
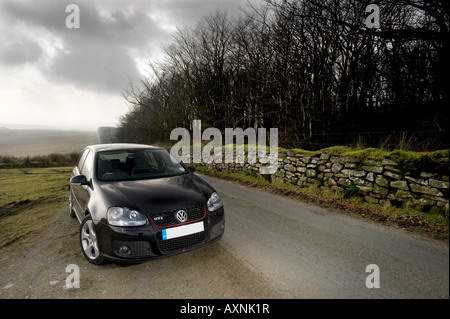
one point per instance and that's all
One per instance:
(180, 242)
(168, 219)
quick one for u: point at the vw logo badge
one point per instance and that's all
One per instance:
(181, 216)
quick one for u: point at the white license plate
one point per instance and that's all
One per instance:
(181, 231)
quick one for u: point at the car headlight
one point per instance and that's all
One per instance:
(121, 216)
(214, 202)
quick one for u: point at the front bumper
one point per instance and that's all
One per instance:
(139, 244)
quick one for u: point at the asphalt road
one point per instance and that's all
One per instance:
(308, 252)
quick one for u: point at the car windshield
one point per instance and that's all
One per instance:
(137, 164)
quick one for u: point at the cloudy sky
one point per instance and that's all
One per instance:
(74, 77)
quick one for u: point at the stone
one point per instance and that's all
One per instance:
(311, 173)
(290, 168)
(403, 194)
(289, 175)
(331, 182)
(345, 182)
(392, 169)
(391, 175)
(364, 189)
(361, 182)
(426, 201)
(387, 161)
(380, 190)
(335, 159)
(427, 175)
(380, 180)
(370, 177)
(403, 185)
(301, 169)
(417, 180)
(438, 184)
(373, 169)
(371, 162)
(425, 190)
(336, 168)
(354, 173)
(291, 159)
(280, 172)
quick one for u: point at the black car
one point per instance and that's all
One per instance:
(137, 202)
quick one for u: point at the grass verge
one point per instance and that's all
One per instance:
(26, 197)
(430, 225)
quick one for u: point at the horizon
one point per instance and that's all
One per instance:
(24, 126)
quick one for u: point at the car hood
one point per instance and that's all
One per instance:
(157, 195)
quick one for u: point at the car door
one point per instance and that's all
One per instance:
(81, 193)
(73, 188)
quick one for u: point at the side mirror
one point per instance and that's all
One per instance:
(191, 169)
(79, 180)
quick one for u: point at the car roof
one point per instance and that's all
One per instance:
(120, 146)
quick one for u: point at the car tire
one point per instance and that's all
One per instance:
(71, 211)
(89, 242)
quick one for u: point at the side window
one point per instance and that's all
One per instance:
(86, 170)
(151, 159)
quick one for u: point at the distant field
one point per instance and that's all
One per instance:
(33, 142)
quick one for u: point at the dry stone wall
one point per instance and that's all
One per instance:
(422, 183)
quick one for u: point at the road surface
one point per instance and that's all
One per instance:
(309, 252)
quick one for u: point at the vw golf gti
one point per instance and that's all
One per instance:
(137, 202)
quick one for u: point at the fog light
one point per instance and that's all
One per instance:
(124, 250)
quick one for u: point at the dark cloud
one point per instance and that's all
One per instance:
(20, 51)
(189, 11)
(98, 55)
(101, 54)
